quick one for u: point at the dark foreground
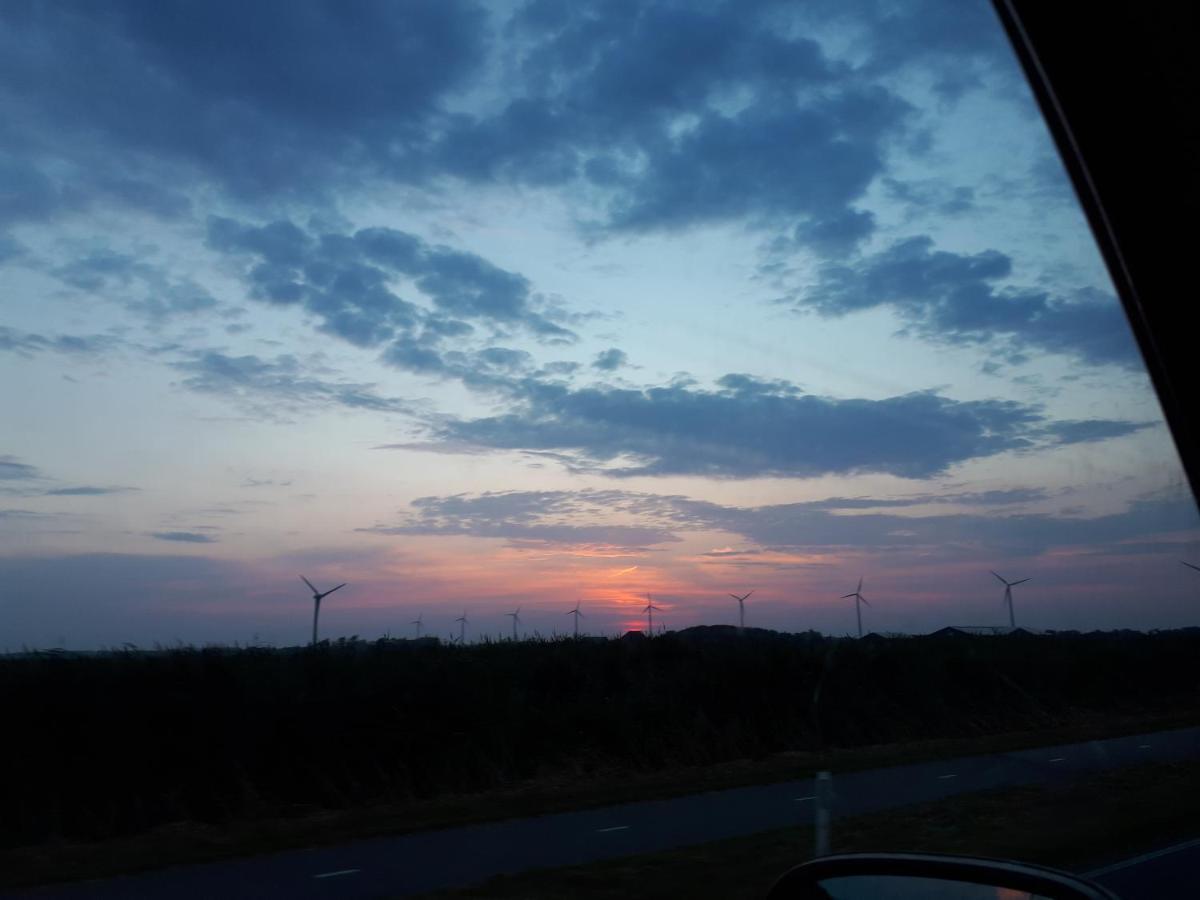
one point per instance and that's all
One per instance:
(420, 863)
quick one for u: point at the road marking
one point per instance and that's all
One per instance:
(1145, 857)
(1143, 746)
(611, 828)
(337, 873)
(1058, 759)
(946, 777)
(800, 799)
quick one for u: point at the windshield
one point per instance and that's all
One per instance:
(448, 338)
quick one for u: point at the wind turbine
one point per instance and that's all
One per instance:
(858, 600)
(741, 609)
(578, 615)
(317, 598)
(462, 626)
(649, 611)
(1008, 586)
(515, 615)
(417, 622)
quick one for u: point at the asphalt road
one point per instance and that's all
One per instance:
(426, 861)
(1165, 874)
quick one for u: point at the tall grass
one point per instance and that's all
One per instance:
(110, 744)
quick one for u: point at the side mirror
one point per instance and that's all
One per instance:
(917, 876)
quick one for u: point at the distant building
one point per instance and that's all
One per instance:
(981, 630)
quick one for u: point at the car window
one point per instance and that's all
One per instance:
(491, 331)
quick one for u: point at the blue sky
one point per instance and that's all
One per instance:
(478, 306)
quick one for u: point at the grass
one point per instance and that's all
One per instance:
(193, 842)
(1077, 827)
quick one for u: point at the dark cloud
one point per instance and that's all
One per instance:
(347, 281)
(610, 360)
(279, 385)
(263, 101)
(645, 104)
(184, 537)
(641, 108)
(964, 298)
(12, 469)
(88, 491)
(559, 517)
(747, 428)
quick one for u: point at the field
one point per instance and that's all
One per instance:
(112, 745)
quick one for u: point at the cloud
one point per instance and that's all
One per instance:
(12, 469)
(610, 360)
(27, 343)
(272, 386)
(136, 100)
(529, 517)
(962, 298)
(184, 537)
(747, 428)
(88, 491)
(823, 526)
(347, 282)
(679, 115)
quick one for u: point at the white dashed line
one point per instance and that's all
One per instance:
(801, 799)
(1058, 759)
(611, 828)
(1143, 746)
(946, 777)
(338, 873)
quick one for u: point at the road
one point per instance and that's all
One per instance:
(416, 863)
(1164, 874)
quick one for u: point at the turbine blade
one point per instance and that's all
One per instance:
(864, 599)
(845, 596)
(331, 590)
(747, 597)
(1190, 566)
(310, 584)
(1001, 580)
(1022, 581)
(858, 590)
(736, 597)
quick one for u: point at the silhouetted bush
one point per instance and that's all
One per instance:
(109, 744)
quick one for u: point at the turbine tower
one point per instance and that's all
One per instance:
(649, 611)
(417, 622)
(859, 599)
(1008, 586)
(741, 609)
(515, 615)
(578, 615)
(317, 598)
(462, 626)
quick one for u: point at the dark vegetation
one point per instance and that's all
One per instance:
(104, 745)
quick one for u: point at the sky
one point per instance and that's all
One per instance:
(522, 304)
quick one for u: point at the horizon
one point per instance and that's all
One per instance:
(562, 303)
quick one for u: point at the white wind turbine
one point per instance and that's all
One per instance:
(742, 608)
(462, 626)
(417, 623)
(1008, 586)
(515, 615)
(858, 600)
(649, 611)
(578, 615)
(317, 598)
